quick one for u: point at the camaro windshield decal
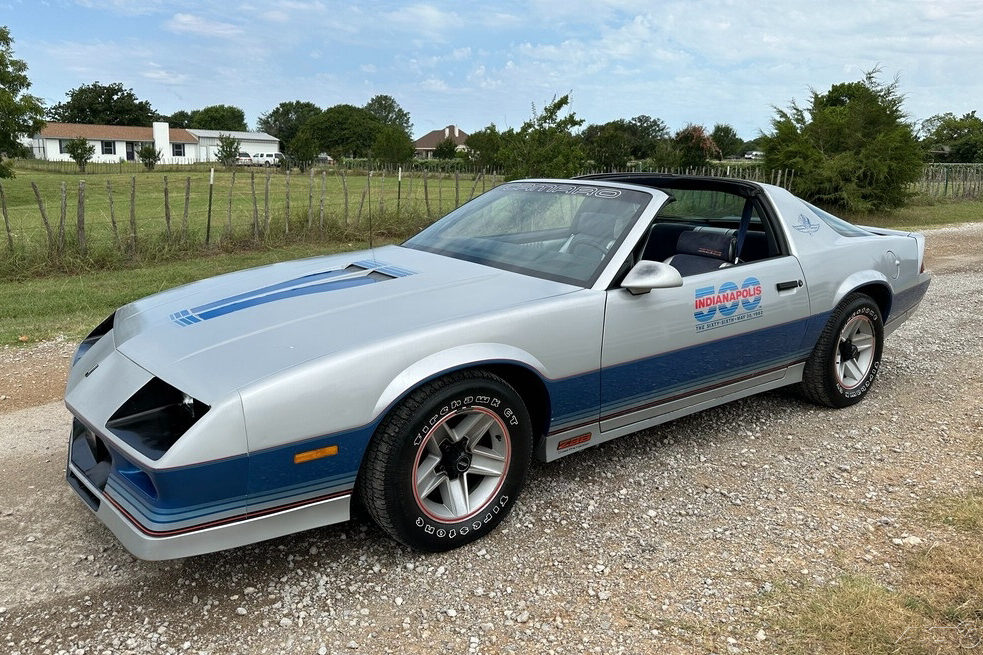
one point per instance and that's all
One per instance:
(715, 307)
(568, 189)
(357, 274)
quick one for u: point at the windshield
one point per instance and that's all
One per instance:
(557, 231)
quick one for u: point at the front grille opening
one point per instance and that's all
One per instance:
(155, 417)
(90, 455)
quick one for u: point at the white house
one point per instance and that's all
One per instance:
(116, 142)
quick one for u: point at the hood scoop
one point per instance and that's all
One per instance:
(357, 274)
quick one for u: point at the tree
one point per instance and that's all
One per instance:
(392, 145)
(103, 104)
(81, 151)
(180, 118)
(285, 120)
(344, 131)
(303, 148)
(694, 146)
(20, 113)
(609, 145)
(851, 147)
(483, 147)
(218, 117)
(544, 146)
(726, 139)
(228, 150)
(149, 155)
(649, 136)
(949, 138)
(388, 112)
(446, 149)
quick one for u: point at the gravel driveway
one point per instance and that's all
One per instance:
(669, 540)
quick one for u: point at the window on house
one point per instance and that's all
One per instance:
(61, 145)
(109, 147)
(177, 149)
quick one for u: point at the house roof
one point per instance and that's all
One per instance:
(111, 132)
(214, 134)
(430, 140)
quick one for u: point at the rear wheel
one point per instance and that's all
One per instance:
(844, 363)
(445, 467)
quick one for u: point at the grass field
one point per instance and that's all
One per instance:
(240, 199)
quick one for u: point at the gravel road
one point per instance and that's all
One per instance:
(675, 539)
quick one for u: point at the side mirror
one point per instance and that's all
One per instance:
(647, 275)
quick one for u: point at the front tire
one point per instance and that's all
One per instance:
(845, 361)
(447, 464)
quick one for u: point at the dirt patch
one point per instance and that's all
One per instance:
(33, 375)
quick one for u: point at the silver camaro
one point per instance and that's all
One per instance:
(541, 318)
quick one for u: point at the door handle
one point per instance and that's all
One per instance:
(791, 284)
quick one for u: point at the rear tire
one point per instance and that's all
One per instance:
(845, 361)
(447, 464)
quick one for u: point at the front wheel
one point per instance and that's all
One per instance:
(447, 464)
(844, 363)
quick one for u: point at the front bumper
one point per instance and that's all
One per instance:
(249, 529)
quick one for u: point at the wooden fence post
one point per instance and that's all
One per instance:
(457, 189)
(252, 186)
(344, 186)
(187, 204)
(320, 209)
(44, 216)
(426, 193)
(6, 219)
(60, 244)
(112, 213)
(133, 215)
(167, 210)
(286, 209)
(80, 219)
(228, 226)
(310, 200)
(266, 204)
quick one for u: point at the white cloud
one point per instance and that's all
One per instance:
(192, 24)
(434, 84)
(158, 74)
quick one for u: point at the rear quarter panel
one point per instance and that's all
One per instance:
(835, 265)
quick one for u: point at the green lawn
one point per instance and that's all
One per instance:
(923, 213)
(44, 307)
(318, 209)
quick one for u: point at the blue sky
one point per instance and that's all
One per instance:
(473, 64)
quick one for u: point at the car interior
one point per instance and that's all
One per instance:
(705, 225)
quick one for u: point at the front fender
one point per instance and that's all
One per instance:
(452, 359)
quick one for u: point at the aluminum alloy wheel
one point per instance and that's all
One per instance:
(461, 465)
(855, 351)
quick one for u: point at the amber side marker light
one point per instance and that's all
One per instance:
(309, 455)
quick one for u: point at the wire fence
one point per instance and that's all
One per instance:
(106, 218)
(951, 181)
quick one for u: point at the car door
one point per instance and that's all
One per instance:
(721, 331)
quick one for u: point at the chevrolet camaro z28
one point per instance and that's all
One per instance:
(539, 319)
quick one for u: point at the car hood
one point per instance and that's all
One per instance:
(221, 333)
